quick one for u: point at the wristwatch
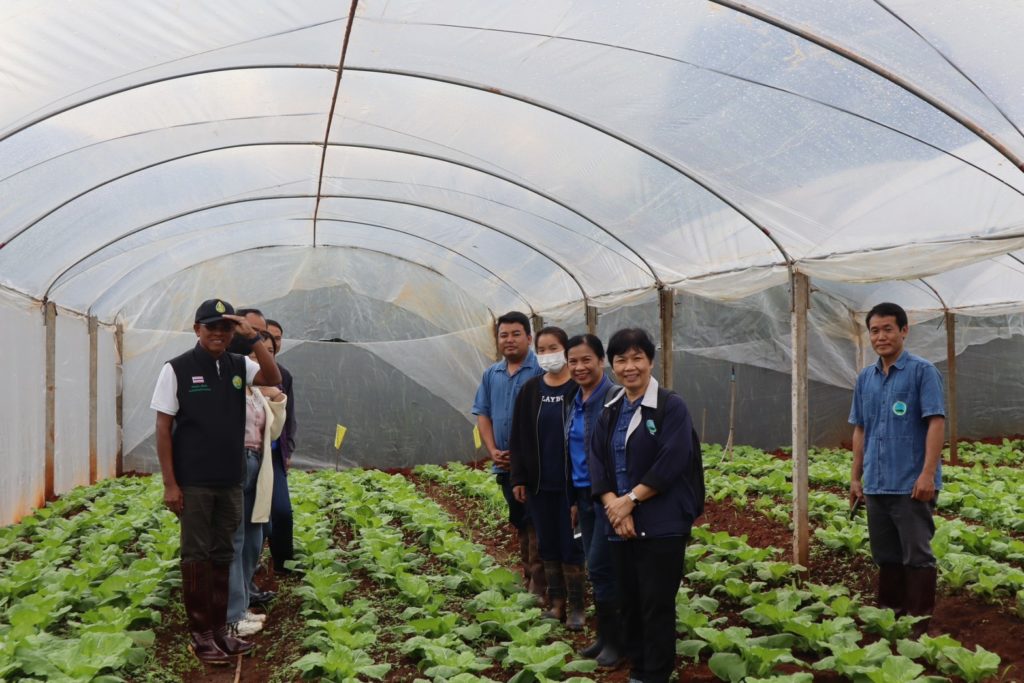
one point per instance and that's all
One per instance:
(632, 497)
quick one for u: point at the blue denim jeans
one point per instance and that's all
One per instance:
(594, 526)
(248, 542)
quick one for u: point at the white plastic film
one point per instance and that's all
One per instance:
(71, 440)
(23, 407)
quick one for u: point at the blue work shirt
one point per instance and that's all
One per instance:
(894, 409)
(577, 431)
(496, 396)
(622, 485)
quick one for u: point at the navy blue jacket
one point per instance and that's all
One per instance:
(524, 442)
(657, 460)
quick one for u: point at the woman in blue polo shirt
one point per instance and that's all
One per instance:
(638, 471)
(586, 363)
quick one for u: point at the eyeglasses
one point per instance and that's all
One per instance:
(220, 326)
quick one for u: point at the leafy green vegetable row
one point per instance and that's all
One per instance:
(815, 620)
(503, 612)
(81, 616)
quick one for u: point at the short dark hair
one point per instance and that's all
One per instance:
(246, 311)
(592, 341)
(275, 324)
(563, 338)
(886, 309)
(628, 339)
(514, 318)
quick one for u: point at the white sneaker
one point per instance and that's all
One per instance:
(246, 628)
(253, 616)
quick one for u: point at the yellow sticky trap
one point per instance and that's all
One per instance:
(477, 441)
(339, 436)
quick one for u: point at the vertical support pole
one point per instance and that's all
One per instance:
(954, 455)
(94, 364)
(536, 322)
(50, 317)
(798, 327)
(591, 319)
(666, 301)
(119, 401)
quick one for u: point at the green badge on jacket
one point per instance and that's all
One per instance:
(236, 381)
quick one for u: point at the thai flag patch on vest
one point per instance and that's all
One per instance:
(198, 379)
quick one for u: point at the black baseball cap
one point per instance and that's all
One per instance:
(212, 311)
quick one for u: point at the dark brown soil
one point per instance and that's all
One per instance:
(967, 619)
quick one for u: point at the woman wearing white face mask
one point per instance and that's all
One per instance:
(540, 467)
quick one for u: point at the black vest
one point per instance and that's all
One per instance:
(209, 430)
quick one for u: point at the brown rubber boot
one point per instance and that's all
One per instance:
(195, 583)
(892, 587)
(219, 611)
(576, 617)
(524, 555)
(556, 591)
(535, 566)
(920, 600)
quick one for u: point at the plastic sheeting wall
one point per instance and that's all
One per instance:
(22, 407)
(71, 446)
(391, 420)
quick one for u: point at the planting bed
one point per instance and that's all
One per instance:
(414, 576)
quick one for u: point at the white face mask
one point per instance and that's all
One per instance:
(552, 362)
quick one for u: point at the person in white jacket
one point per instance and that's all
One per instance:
(265, 417)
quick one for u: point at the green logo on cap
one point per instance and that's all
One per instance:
(237, 382)
(219, 307)
(899, 408)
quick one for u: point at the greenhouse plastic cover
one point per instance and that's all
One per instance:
(395, 174)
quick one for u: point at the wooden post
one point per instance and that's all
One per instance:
(732, 412)
(591, 320)
(93, 394)
(798, 327)
(536, 322)
(666, 301)
(954, 455)
(119, 401)
(50, 317)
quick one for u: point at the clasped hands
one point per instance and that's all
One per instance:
(620, 515)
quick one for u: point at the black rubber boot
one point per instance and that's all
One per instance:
(892, 587)
(576, 615)
(609, 623)
(920, 600)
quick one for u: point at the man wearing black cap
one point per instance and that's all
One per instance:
(200, 428)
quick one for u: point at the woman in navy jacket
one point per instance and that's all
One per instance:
(638, 473)
(540, 474)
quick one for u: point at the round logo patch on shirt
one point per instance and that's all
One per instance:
(236, 381)
(899, 408)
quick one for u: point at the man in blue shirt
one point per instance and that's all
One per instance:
(899, 423)
(493, 406)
